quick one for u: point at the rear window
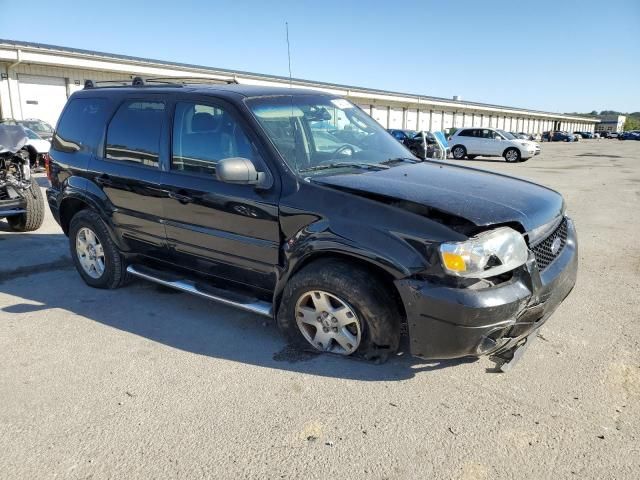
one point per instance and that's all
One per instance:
(79, 125)
(134, 132)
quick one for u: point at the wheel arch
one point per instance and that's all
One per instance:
(511, 147)
(383, 275)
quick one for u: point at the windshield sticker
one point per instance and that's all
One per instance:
(341, 103)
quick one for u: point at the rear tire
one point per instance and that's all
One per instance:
(512, 155)
(34, 216)
(371, 316)
(109, 266)
(459, 152)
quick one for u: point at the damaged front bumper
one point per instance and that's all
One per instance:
(446, 322)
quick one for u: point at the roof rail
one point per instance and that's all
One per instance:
(192, 80)
(153, 81)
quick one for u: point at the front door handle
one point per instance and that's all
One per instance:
(184, 199)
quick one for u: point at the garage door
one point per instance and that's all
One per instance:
(395, 118)
(447, 120)
(42, 97)
(436, 121)
(412, 119)
(381, 115)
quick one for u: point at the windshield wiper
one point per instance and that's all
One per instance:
(366, 166)
(400, 159)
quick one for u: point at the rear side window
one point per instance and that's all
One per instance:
(466, 133)
(134, 132)
(79, 125)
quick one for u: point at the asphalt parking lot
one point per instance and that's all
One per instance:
(143, 382)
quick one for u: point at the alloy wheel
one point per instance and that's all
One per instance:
(328, 323)
(90, 252)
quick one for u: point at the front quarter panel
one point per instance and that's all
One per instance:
(317, 220)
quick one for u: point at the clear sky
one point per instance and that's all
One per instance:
(561, 55)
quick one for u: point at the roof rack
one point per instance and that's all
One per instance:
(153, 81)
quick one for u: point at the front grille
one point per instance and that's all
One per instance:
(542, 251)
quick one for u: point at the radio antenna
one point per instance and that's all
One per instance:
(288, 53)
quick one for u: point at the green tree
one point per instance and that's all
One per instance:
(632, 123)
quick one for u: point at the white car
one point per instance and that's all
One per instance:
(491, 142)
(37, 147)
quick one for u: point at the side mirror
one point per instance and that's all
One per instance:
(238, 170)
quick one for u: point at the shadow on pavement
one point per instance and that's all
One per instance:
(185, 322)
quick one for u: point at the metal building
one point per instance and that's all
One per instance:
(36, 80)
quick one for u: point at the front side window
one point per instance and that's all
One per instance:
(134, 132)
(318, 133)
(204, 135)
(466, 133)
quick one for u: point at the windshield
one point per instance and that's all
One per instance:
(507, 135)
(31, 134)
(37, 126)
(317, 134)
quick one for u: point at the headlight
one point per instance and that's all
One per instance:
(485, 255)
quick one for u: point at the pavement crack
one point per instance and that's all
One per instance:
(62, 263)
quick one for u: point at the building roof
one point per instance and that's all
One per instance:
(419, 98)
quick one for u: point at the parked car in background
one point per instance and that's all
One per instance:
(584, 134)
(631, 135)
(36, 147)
(421, 144)
(21, 201)
(596, 135)
(526, 136)
(604, 134)
(491, 142)
(42, 128)
(559, 137)
(223, 194)
(613, 135)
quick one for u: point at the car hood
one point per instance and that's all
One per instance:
(478, 196)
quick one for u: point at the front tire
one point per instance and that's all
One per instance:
(34, 216)
(459, 152)
(340, 308)
(94, 253)
(512, 155)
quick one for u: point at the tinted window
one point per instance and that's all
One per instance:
(203, 135)
(486, 133)
(79, 124)
(134, 132)
(466, 133)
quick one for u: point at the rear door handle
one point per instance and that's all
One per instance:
(181, 197)
(104, 180)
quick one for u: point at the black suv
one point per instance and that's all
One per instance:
(297, 205)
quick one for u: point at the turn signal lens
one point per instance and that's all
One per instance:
(453, 262)
(47, 165)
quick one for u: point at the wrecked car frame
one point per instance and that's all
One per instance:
(21, 201)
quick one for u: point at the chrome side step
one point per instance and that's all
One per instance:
(250, 305)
